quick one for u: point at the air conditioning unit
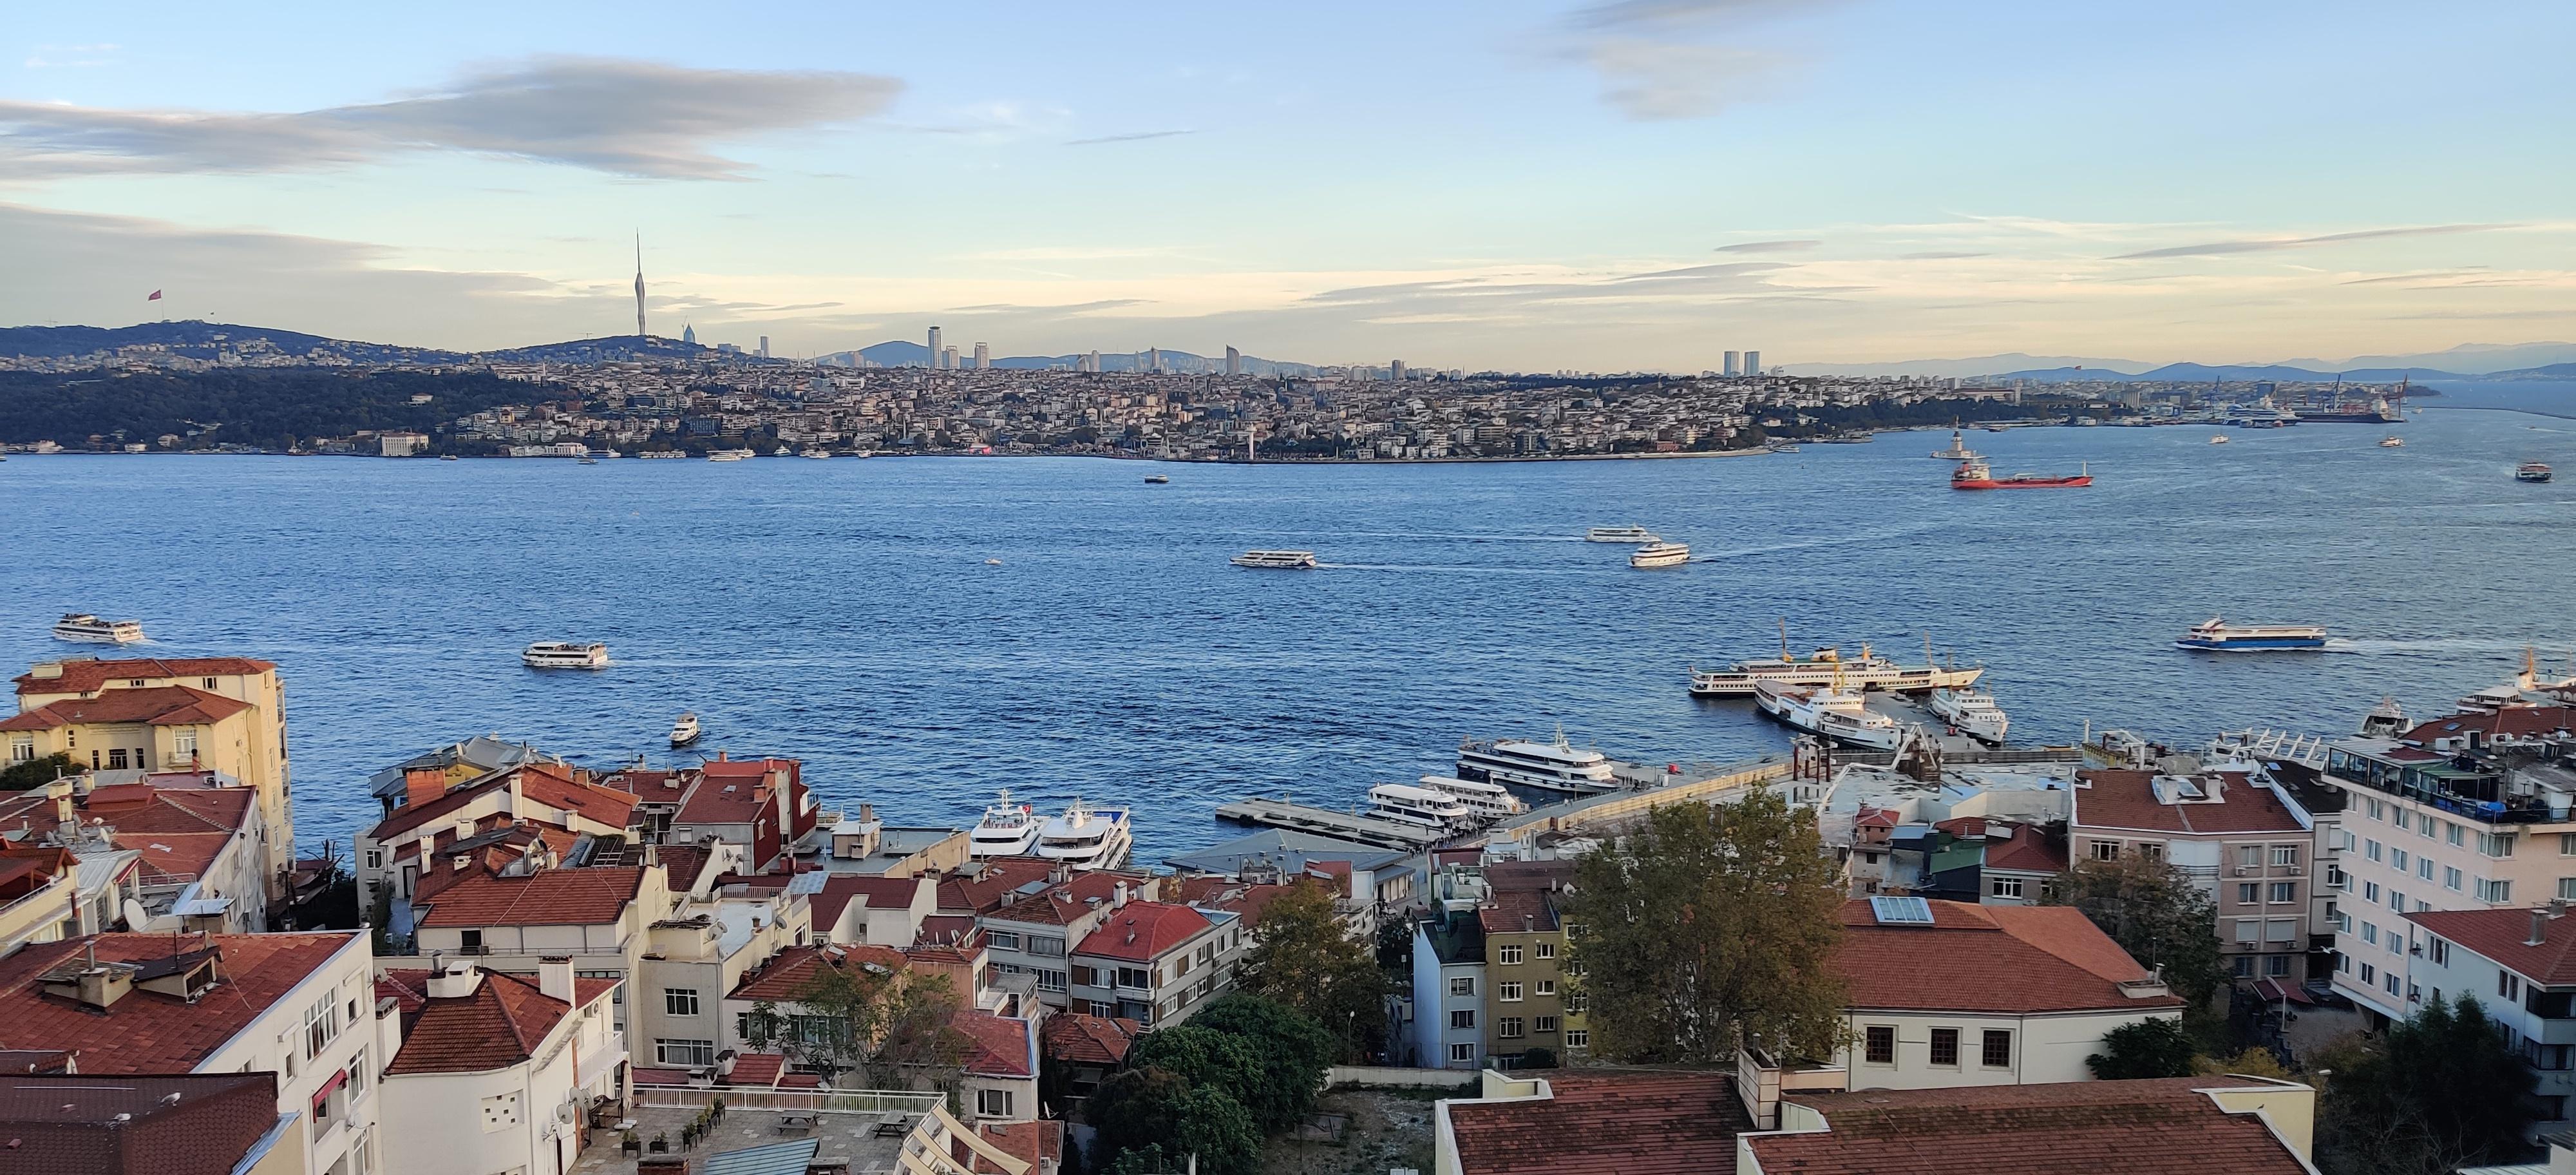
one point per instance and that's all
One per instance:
(2244, 870)
(2294, 871)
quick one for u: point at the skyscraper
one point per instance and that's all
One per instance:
(639, 285)
(689, 334)
(983, 357)
(934, 347)
(1154, 359)
(948, 358)
(1732, 358)
(1233, 361)
(1395, 370)
(1753, 363)
(764, 346)
(1091, 362)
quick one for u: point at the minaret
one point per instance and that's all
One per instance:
(639, 285)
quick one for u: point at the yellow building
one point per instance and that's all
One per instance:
(1528, 1003)
(221, 714)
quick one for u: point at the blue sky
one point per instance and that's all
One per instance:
(1533, 186)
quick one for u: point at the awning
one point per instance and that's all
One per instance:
(2274, 991)
(202, 907)
(328, 1088)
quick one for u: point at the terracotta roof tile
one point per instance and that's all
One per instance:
(146, 1031)
(2127, 800)
(2026, 851)
(1142, 932)
(2004, 959)
(547, 897)
(2510, 722)
(786, 977)
(1089, 1040)
(2503, 936)
(1039, 1144)
(166, 705)
(872, 892)
(547, 784)
(2164, 1127)
(756, 1069)
(80, 677)
(1606, 1123)
(1004, 1046)
(993, 887)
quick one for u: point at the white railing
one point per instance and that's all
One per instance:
(803, 1101)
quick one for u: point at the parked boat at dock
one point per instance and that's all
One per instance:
(1484, 799)
(1008, 829)
(1824, 666)
(1405, 803)
(1553, 766)
(1086, 837)
(1831, 711)
(88, 629)
(1973, 712)
(2217, 635)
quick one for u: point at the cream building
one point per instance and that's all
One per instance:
(501, 1071)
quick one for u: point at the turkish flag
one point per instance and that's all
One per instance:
(156, 296)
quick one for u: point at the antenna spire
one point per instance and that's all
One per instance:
(639, 285)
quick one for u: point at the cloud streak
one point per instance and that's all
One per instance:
(628, 118)
(2274, 244)
(1135, 137)
(1769, 247)
(1661, 60)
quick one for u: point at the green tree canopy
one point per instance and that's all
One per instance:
(2441, 1090)
(2156, 913)
(2148, 1048)
(1303, 955)
(1145, 1116)
(1294, 1052)
(35, 773)
(1706, 925)
(895, 1029)
(1203, 1057)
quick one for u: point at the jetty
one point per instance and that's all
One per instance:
(1280, 813)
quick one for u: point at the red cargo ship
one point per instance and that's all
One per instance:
(1974, 475)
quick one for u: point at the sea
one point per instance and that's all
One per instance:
(924, 632)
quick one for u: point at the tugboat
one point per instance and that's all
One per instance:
(1977, 475)
(2531, 471)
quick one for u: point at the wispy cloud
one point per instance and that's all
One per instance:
(1939, 256)
(1133, 137)
(1069, 253)
(1065, 310)
(629, 118)
(2271, 244)
(72, 56)
(1672, 59)
(1770, 247)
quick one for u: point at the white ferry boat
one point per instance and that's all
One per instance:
(2217, 635)
(2218, 438)
(731, 455)
(2531, 471)
(1958, 450)
(816, 454)
(1489, 800)
(1830, 711)
(1086, 837)
(2392, 441)
(1553, 766)
(1660, 555)
(1276, 560)
(661, 455)
(1007, 830)
(565, 655)
(88, 629)
(685, 730)
(1407, 804)
(1825, 666)
(1631, 533)
(1973, 712)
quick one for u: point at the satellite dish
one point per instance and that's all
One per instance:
(136, 917)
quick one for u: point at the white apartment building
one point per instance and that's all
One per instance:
(491, 1072)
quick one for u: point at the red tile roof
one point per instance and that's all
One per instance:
(548, 784)
(1517, 911)
(80, 677)
(2127, 800)
(193, 1124)
(756, 1069)
(1605, 1123)
(2503, 936)
(2012, 960)
(502, 1024)
(993, 887)
(1142, 932)
(1068, 901)
(165, 705)
(2510, 722)
(2026, 851)
(1004, 1046)
(175, 858)
(885, 893)
(547, 897)
(1089, 1040)
(730, 791)
(2160, 1127)
(1036, 1143)
(786, 977)
(147, 1031)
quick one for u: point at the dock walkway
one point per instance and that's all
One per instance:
(1280, 813)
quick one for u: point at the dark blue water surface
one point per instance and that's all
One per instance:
(842, 612)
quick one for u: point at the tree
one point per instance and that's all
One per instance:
(35, 773)
(2253, 1062)
(1706, 926)
(1303, 955)
(2440, 1090)
(2157, 914)
(893, 1028)
(1203, 1057)
(1138, 1110)
(2148, 1048)
(1294, 1052)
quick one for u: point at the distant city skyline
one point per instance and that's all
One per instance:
(1611, 186)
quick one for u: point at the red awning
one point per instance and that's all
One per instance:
(2273, 992)
(328, 1088)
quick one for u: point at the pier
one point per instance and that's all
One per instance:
(1280, 813)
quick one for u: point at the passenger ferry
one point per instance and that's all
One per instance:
(88, 629)
(1831, 711)
(1086, 837)
(1491, 800)
(731, 455)
(1407, 804)
(1276, 560)
(1007, 830)
(1660, 555)
(1973, 712)
(2531, 471)
(1630, 533)
(1825, 666)
(816, 454)
(1553, 766)
(2218, 635)
(685, 730)
(565, 655)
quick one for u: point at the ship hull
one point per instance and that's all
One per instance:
(2250, 644)
(2020, 483)
(1900, 681)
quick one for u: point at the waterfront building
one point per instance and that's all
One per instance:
(2246, 842)
(1154, 962)
(851, 909)
(456, 762)
(1386, 879)
(401, 444)
(2521, 966)
(525, 1059)
(1527, 963)
(600, 918)
(760, 804)
(301, 1006)
(1444, 1027)
(538, 803)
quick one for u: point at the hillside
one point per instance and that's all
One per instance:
(905, 353)
(268, 408)
(202, 340)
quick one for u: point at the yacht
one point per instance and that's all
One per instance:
(447, 456)
(1631, 533)
(1276, 560)
(1553, 766)
(2218, 438)
(1007, 830)
(1407, 804)
(1831, 711)
(730, 455)
(2531, 471)
(1827, 665)
(2217, 635)
(817, 454)
(565, 655)
(1156, 479)
(88, 629)
(2392, 441)
(1973, 712)
(684, 729)
(1660, 555)
(1484, 799)
(1086, 837)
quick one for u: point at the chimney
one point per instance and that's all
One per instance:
(554, 977)
(423, 784)
(456, 980)
(1120, 893)
(1529, 922)
(60, 792)
(2539, 927)
(652, 855)
(720, 756)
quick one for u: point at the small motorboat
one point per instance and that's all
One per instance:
(2392, 441)
(1156, 479)
(992, 562)
(685, 730)
(2531, 471)
(2219, 439)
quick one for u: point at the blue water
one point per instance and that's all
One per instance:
(843, 612)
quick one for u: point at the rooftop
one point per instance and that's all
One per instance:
(1089, 1040)
(2504, 937)
(167, 705)
(1605, 1122)
(2161, 1127)
(2214, 802)
(198, 1124)
(83, 675)
(1141, 932)
(864, 1129)
(547, 897)
(2005, 959)
(501, 1024)
(148, 1031)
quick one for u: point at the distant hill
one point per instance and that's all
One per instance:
(2545, 371)
(201, 340)
(608, 349)
(2203, 373)
(905, 353)
(2015, 362)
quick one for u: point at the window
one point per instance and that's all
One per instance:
(2493, 890)
(2567, 844)
(2370, 892)
(1576, 1002)
(321, 1026)
(2249, 856)
(2388, 982)
(2276, 966)
(687, 1054)
(1462, 1054)
(2397, 860)
(2003, 887)
(2285, 891)
(1546, 987)
(2249, 930)
(375, 858)
(1878, 1044)
(2370, 849)
(993, 1103)
(1102, 1008)
(22, 748)
(2369, 974)
(470, 941)
(116, 758)
(2439, 950)
(183, 745)
(1509, 954)
(2451, 835)
(1544, 1024)
(2567, 887)
(1136, 977)
(1945, 1046)
(2281, 930)
(1509, 993)
(2401, 818)
(2241, 966)
(2496, 844)
(2249, 893)
(1049, 980)
(500, 1112)
(1508, 1027)
(1578, 1038)
(2451, 879)
(1049, 946)
(1462, 985)
(2509, 986)
(2285, 854)
(1997, 1050)
(1463, 1018)
(679, 1001)
(1546, 950)
(2376, 812)
(2370, 933)
(2106, 850)
(2152, 850)
(1007, 940)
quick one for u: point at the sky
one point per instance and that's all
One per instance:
(1630, 185)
